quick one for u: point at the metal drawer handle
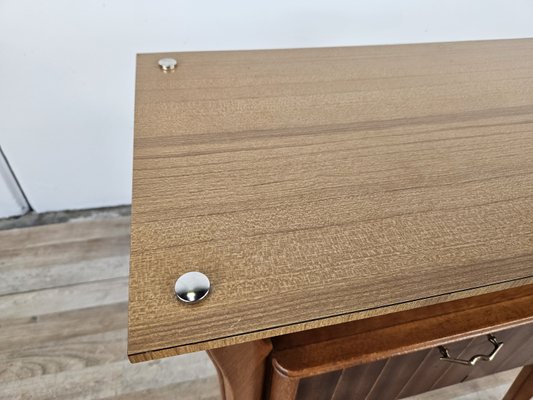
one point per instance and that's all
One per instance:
(485, 357)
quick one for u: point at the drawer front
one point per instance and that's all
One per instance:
(421, 371)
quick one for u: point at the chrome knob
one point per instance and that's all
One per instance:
(192, 287)
(167, 64)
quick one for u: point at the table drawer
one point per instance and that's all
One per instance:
(420, 371)
(397, 355)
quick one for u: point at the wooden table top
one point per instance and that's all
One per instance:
(319, 186)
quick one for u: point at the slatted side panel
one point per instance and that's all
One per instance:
(419, 372)
(357, 382)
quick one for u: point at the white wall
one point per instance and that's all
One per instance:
(67, 68)
(12, 201)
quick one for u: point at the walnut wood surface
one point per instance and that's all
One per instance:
(417, 372)
(241, 369)
(319, 186)
(396, 356)
(331, 348)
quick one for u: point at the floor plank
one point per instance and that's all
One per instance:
(49, 266)
(75, 230)
(198, 389)
(64, 298)
(75, 354)
(109, 380)
(22, 333)
(492, 387)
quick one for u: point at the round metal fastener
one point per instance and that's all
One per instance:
(192, 287)
(167, 64)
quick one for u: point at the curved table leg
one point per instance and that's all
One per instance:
(522, 387)
(241, 369)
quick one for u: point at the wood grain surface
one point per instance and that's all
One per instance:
(396, 355)
(319, 186)
(331, 348)
(415, 373)
(80, 353)
(241, 369)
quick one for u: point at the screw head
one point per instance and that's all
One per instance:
(192, 287)
(167, 64)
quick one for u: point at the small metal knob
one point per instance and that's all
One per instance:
(167, 64)
(192, 287)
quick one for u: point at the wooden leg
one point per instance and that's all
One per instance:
(241, 369)
(522, 387)
(282, 387)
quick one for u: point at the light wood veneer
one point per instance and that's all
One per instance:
(321, 186)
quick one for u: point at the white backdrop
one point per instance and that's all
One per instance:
(67, 69)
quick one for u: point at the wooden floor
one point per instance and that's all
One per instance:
(63, 319)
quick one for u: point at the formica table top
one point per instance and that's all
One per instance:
(318, 186)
